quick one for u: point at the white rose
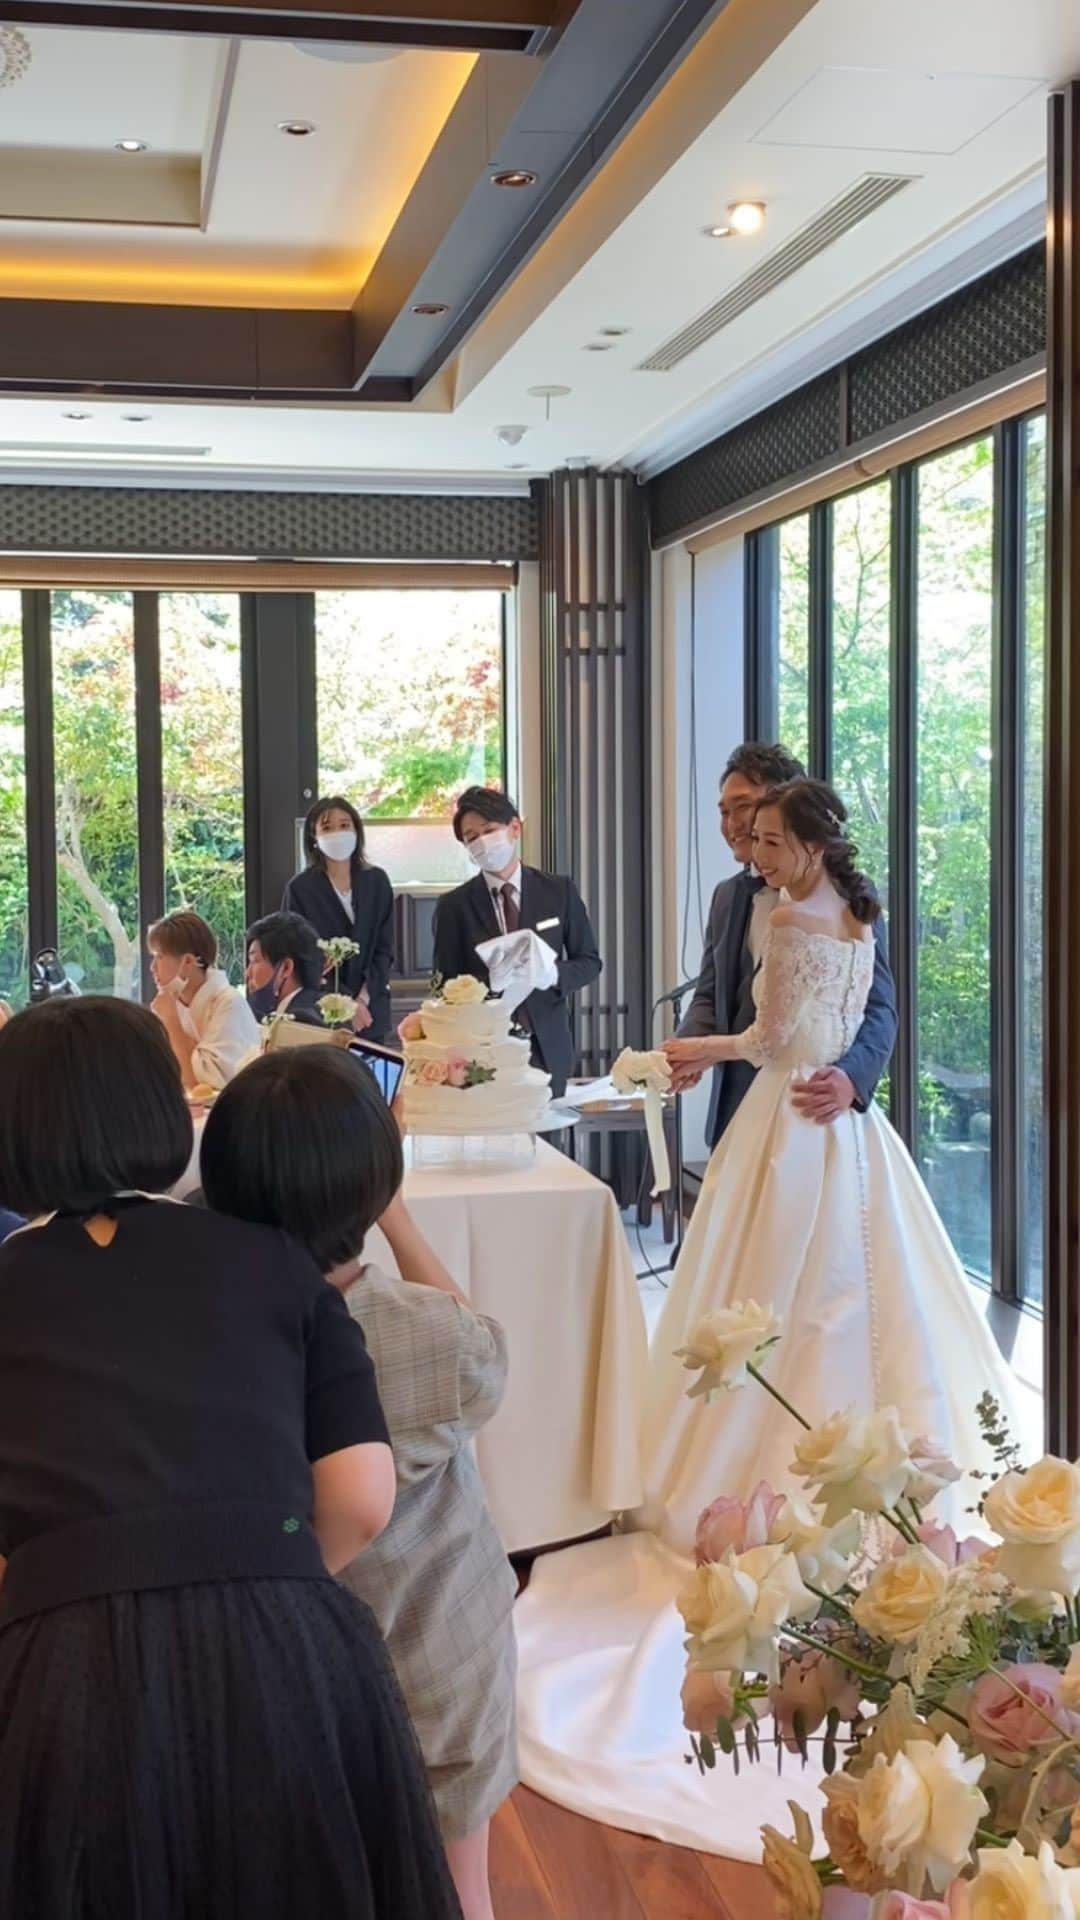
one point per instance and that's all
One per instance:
(735, 1608)
(464, 991)
(1011, 1885)
(1037, 1515)
(901, 1596)
(824, 1554)
(858, 1465)
(918, 1812)
(723, 1344)
(634, 1071)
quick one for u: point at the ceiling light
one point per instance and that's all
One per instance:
(299, 129)
(131, 146)
(747, 216)
(518, 466)
(136, 419)
(511, 436)
(599, 346)
(548, 393)
(430, 309)
(78, 416)
(614, 333)
(514, 177)
(719, 233)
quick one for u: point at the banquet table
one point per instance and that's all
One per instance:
(543, 1251)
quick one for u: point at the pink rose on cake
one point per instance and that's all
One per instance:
(457, 1071)
(432, 1073)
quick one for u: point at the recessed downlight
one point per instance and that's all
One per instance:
(614, 333)
(514, 177)
(73, 415)
(136, 419)
(296, 129)
(131, 146)
(599, 346)
(747, 216)
(430, 309)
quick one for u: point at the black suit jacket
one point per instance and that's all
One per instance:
(552, 906)
(304, 1007)
(311, 894)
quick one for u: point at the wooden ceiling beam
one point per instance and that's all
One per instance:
(476, 26)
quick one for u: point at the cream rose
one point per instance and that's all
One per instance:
(858, 1465)
(734, 1610)
(1012, 1885)
(901, 1596)
(918, 1812)
(464, 991)
(1037, 1515)
(724, 1343)
(824, 1554)
(633, 1072)
(840, 1825)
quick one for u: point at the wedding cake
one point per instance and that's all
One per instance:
(465, 1072)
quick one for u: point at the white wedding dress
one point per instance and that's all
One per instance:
(832, 1227)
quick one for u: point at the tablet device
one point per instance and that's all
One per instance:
(384, 1064)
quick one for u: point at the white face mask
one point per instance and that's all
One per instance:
(176, 986)
(493, 851)
(337, 846)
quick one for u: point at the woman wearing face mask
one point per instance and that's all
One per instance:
(504, 897)
(342, 897)
(211, 1028)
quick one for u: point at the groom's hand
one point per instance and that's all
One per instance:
(824, 1097)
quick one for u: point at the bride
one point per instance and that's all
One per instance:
(833, 1228)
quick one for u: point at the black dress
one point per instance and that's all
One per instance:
(196, 1721)
(311, 894)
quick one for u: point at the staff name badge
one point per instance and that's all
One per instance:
(542, 926)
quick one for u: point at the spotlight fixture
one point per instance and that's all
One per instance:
(297, 129)
(514, 177)
(430, 309)
(78, 416)
(511, 436)
(131, 146)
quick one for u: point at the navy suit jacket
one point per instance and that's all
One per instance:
(719, 1006)
(553, 907)
(311, 895)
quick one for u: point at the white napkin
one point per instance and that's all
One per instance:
(518, 964)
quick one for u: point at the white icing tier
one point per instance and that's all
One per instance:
(515, 1100)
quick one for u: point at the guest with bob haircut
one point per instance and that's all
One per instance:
(304, 1142)
(196, 1717)
(211, 1028)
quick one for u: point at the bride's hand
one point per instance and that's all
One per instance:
(696, 1055)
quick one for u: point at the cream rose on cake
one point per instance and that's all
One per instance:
(464, 991)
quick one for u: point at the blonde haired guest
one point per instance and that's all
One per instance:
(212, 1030)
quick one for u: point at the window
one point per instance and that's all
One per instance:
(203, 763)
(410, 707)
(860, 671)
(1032, 747)
(793, 654)
(954, 757)
(14, 931)
(97, 828)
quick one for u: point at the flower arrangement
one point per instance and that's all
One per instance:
(337, 1009)
(335, 952)
(455, 1072)
(954, 1665)
(650, 1074)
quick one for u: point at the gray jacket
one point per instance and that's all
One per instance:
(723, 1003)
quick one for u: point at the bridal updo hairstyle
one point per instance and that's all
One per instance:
(815, 816)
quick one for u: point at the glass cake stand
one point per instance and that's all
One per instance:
(483, 1152)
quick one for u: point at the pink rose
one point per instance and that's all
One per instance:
(741, 1524)
(706, 1698)
(902, 1906)
(431, 1073)
(944, 1545)
(1007, 1727)
(411, 1028)
(456, 1071)
(933, 1469)
(812, 1686)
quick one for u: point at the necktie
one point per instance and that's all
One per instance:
(511, 916)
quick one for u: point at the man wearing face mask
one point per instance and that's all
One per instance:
(284, 969)
(504, 897)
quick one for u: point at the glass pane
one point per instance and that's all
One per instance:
(202, 754)
(861, 604)
(96, 791)
(14, 930)
(793, 678)
(955, 615)
(1031, 1264)
(410, 704)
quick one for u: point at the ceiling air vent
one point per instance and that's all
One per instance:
(864, 198)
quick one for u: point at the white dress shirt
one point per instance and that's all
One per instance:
(495, 887)
(223, 1027)
(347, 902)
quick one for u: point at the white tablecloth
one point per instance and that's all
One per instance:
(544, 1252)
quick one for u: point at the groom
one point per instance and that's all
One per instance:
(723, 1002)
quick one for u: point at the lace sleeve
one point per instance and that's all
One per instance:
(786, 984)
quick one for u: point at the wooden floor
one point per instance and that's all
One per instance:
(547, 1864)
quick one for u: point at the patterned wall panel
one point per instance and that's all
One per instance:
(268, 526)
(787, 438)
(989, 327)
